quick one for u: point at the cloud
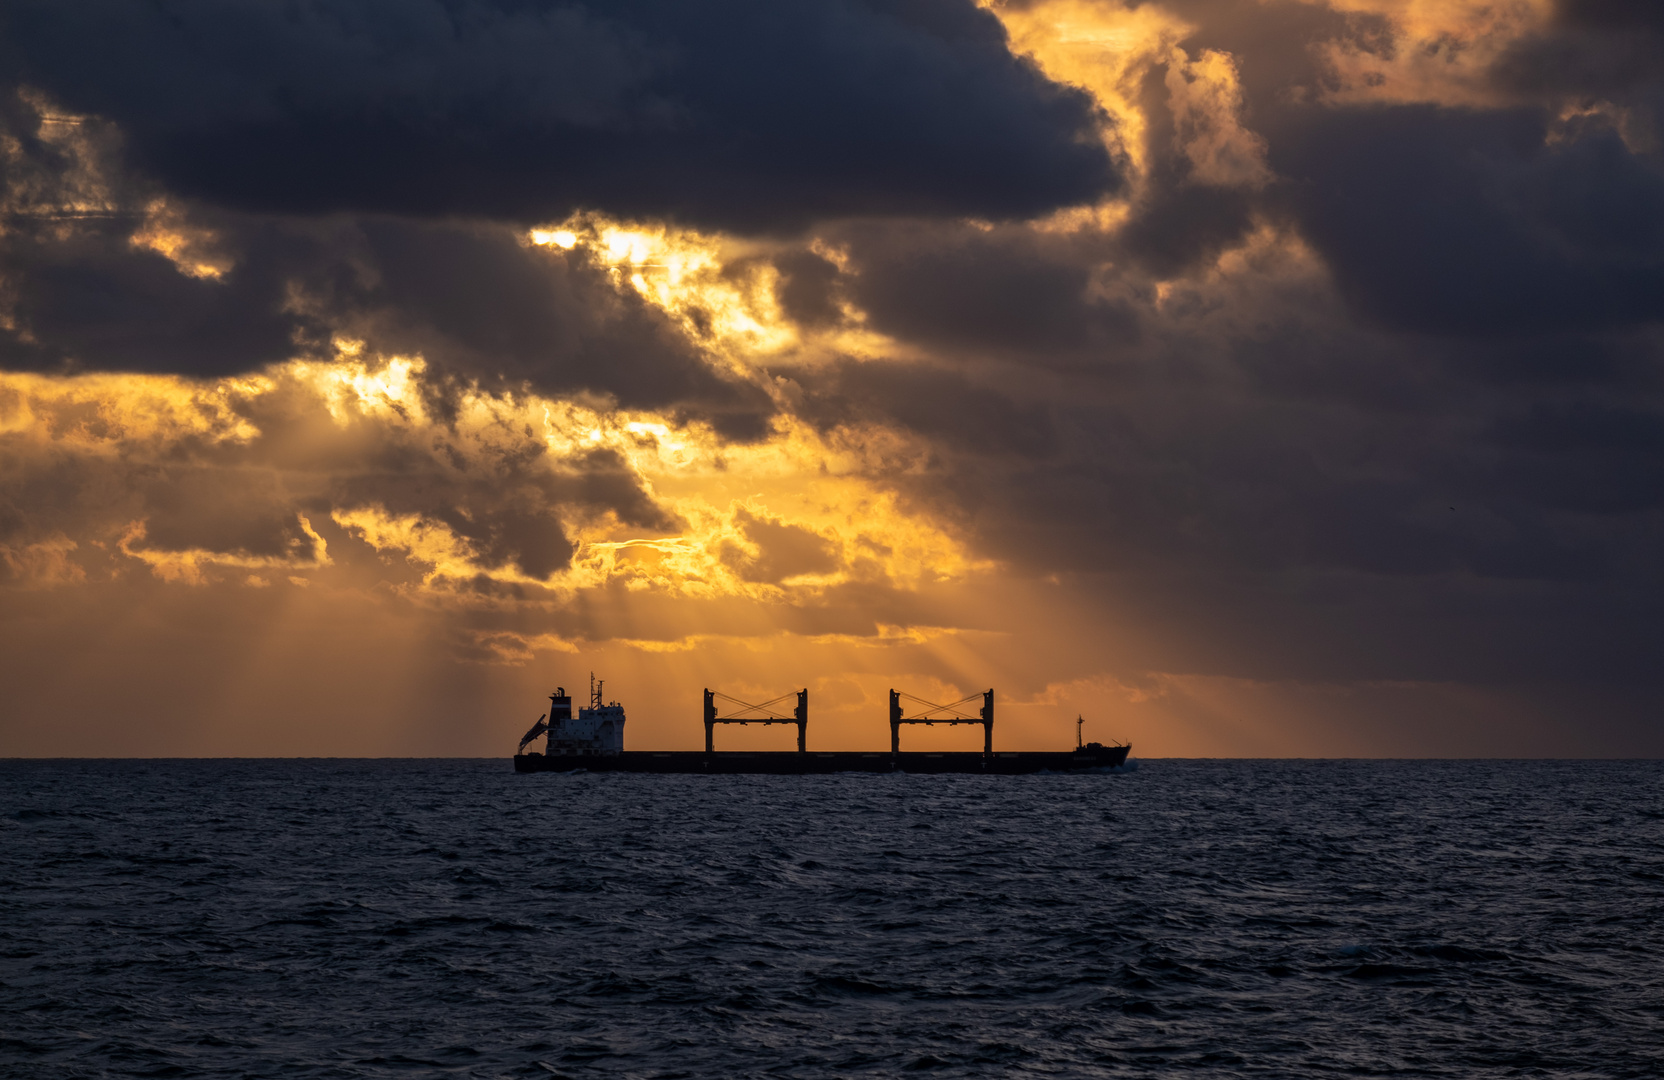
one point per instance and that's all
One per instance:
(807, 288)
(1338, 392)
(237, 475)
(961, 289)
(941, 404)
(782, 550)
(101, 271)
(478, 300)
(85, 296)
(1604, 51)
(1457, 221)
(742, 115)
(1203, 167)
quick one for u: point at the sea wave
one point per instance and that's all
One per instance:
(1253, 919)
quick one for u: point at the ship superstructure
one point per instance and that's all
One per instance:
(597, 729)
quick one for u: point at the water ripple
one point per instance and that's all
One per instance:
(449, 918)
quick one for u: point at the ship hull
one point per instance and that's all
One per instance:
(787, 763)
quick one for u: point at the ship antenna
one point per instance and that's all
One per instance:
(1079, 720)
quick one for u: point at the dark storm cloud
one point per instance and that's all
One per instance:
(1179, 227)
(83, 296)
(1293, 439)
(1470, 221)
(961, 289)
(1623, 14)
(744, 114)
(939, 403)
(808, 288)
(1495, 265)
(1595, 55)
(1590, 456)
(1322, 539)
(1282, 488)
(1464, 219)
(1605, 47)
(1434, 474)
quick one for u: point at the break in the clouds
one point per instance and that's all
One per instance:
(1259, 378)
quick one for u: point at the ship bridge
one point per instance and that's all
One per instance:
(597, 729)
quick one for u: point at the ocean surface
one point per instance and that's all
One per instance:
(1191, 918)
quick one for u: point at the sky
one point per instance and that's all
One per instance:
(1264, 379)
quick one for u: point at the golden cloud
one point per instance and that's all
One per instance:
(346, 442)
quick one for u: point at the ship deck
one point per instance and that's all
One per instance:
(797, 763)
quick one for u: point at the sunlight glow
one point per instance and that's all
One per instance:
(1445, 53)
(193, 250)
(1103, 50)
(561, 238)
(721, 291)
(785, 518)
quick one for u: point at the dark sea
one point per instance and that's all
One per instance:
(1190, 918)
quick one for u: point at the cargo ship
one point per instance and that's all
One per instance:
(593, 741)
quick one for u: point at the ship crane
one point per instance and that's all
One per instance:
(952, 713)
(743, 712)
(537, 729)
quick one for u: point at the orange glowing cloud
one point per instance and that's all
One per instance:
(746, 522)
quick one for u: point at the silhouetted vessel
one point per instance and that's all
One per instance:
(593, 741)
